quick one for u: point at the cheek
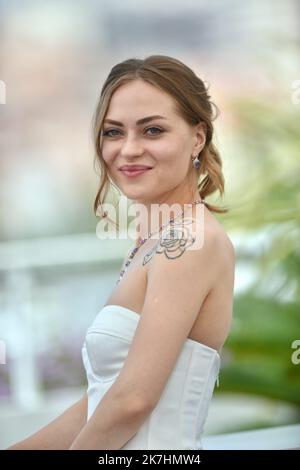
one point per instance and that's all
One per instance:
(107, 154)
(164, 152)
(173, 157)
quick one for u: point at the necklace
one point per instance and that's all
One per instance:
(135, 250)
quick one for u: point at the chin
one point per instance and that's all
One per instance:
(135, 195)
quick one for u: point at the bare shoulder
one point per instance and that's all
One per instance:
(215, 230)
(203, 238)
(227, 251)
(184, 266)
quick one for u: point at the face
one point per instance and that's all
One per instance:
(166, 143)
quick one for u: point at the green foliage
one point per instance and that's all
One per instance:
(260, 349)
(267, 320)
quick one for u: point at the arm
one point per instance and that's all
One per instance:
(118, 416)
(60, 433)
(176, 289)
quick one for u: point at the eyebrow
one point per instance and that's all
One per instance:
(140, 121)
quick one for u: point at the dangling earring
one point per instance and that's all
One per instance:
(196, 162)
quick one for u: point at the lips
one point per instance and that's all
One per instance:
(134, 167)
(131, 173)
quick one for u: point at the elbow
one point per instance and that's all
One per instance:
(137, 406)
(134, 404)
(130, 399)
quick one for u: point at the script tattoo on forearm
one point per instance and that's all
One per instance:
(175, 239)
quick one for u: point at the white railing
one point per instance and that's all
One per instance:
(21, 263)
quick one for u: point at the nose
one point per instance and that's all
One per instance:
(131, 147)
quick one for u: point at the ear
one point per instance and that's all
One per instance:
(200, 137)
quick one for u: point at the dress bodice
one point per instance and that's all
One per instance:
(178, 419)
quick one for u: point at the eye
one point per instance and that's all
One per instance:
(108, 132)
(156, 128)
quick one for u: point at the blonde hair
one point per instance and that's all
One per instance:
(192, 102)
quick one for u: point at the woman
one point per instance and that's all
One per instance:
(152, 354)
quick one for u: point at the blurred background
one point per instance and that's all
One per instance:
(55, 274)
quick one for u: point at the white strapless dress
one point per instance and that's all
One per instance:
(178, 419)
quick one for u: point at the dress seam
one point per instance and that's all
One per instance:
(200, 407)
(109, 333)
(184, 391)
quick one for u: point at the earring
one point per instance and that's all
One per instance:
(196, 162)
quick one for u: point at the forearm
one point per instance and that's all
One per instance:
(112, 425)
(59, 433)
